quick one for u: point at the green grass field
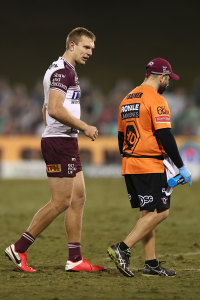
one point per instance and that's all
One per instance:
(107, 219)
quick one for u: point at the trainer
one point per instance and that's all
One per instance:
(144, 135)
(61, 114)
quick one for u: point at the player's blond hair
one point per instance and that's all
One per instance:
(76, 34)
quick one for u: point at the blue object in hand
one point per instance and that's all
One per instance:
(185, 173)
(174, 181)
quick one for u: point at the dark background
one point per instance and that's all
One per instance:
(129, 34)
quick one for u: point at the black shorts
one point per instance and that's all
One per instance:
(147, 191)
(61, 156)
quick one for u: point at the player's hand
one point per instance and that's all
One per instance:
(91, 132)
(185, 173)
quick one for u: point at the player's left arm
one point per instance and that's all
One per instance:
(161, 119)
(169, 144)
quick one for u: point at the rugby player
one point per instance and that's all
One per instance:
(144, 135)
(59, 144)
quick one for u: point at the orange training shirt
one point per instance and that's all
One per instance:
(141, 113)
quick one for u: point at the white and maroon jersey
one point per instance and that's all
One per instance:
(62, 76)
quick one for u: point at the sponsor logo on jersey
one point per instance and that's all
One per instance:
(71, 169)
(75, 101)
(164, 200)
(145, 199)
(130, 111)
(76, 96)
(162, 110)
(59, 75)
(58, 84)
(132, 136)
(76, 80)
(55, 168)
(53, 66)
(163, 119)
(134, 95)
(129, 196)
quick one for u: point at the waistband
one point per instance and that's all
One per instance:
(159, 157)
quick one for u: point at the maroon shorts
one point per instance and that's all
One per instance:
(61, 156)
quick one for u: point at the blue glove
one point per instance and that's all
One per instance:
(185, 173)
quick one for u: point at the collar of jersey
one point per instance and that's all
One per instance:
(70, 65)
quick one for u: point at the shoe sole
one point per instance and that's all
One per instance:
(7, 254)
(112, 255)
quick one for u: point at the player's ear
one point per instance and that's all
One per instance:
(71, 46)
(162, 77)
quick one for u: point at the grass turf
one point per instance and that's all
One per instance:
(108, 218)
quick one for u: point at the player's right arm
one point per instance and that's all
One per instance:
(57, 111)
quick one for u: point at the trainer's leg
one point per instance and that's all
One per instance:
(148, 241)
(61, 191)
(144, 226)
(74, 214)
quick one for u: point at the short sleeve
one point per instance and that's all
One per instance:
(61, 79)
(161, 115)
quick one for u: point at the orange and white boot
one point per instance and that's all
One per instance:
(19, 259)
(82, 265)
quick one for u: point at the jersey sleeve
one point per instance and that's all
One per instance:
(161, 115)
(60, 80)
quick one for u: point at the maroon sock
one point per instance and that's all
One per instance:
(74, 252)
(24, 242)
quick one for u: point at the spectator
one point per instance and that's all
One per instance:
(20, 111)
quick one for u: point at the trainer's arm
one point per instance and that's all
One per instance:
(57, 111)
(169, 144)
(120, 142)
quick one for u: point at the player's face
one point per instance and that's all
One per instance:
(83, 50)
(164, 83)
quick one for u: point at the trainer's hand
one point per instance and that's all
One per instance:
(91, 132)
(185, 173)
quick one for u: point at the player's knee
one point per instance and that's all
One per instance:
(61, 206)
(79, 201)
(82, 199)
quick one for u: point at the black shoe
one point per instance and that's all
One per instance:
(158, 270)
(121, 259)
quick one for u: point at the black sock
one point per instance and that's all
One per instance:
(123, 246)
(152, 263)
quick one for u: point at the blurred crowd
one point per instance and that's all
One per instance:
(21, 109)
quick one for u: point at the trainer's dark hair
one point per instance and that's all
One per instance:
(76, 34)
